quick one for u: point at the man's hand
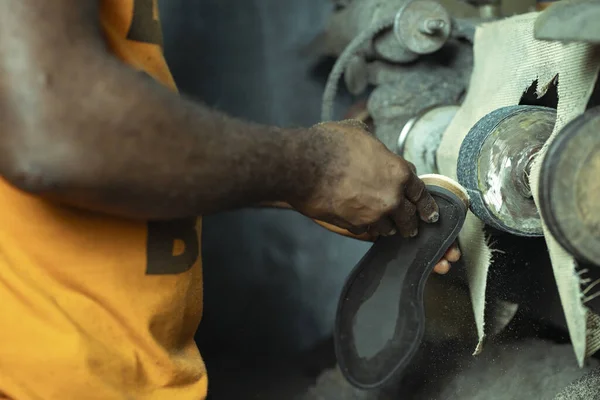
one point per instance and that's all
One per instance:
(364, 187)
(452, 255)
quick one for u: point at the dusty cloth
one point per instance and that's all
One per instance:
(507, 61)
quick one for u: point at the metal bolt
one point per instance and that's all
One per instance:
(433, 26)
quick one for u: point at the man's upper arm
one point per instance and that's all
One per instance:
(41, 44)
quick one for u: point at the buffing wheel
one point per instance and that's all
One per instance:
(494, 164)
(570, 185)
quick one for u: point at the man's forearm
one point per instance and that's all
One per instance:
(110, 139)
(164, 157)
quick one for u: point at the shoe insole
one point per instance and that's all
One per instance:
(380, 318)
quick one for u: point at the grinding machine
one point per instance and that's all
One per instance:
(523, 178)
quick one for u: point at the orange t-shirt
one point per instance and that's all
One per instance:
(96, 307)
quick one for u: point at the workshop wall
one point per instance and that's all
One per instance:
(271, 277)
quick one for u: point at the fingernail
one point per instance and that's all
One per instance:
(453, 255)
(434, 217)
(414, 233)
(443, 267)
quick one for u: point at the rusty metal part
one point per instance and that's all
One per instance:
(342, 62)
(494, 165)
(420, 137)
(570, 21)
(422, 26)
(570, 187)
(403, 91)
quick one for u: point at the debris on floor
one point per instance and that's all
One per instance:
(516, 370)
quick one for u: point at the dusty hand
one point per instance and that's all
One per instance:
(364, 187)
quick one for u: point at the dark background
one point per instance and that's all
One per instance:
(271, 277)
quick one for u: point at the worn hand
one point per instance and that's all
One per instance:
(365, 188)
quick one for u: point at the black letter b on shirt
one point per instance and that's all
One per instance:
(172, 246)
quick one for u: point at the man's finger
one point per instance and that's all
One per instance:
(418, 195)
(453, 254)
(405, 217)
(385, 227)
(443, 267)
